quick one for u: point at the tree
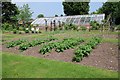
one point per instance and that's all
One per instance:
(9, 11)
(25, 13)
(61, 15)
(40, 16)
(76, 8)
(113, 9)
(56, 15)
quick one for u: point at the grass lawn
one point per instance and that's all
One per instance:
(19, 66)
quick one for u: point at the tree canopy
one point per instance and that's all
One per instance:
(56, 15)
(112, 8)
(25, 13)
(9, 11)
(40, 16)
(76, 8)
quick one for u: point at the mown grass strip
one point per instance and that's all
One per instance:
(19, 66)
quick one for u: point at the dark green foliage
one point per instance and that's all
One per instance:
(111, 8)
(84, 50)
(47, 48)
(76, 8)
(7, 26)
(15, 43)
(15, 31)
(40, 16)
(83, 28)
(61, 46)
(77, 58)
(70, 27)
(56, 15)
(9, 11)
(118, 27)
(24, 46)
(35, 42)
(95, 25)
(26, 31)
(32, 31)
(20, 32)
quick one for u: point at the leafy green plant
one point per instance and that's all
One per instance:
(84, 50)
(95, 25)
(15, 43)
(61, 46)
(83, 28)
(24, 46)
(7, 26)
(15, 31)
(70, 27)
(20, 32)
(35, 43)
(26, 31)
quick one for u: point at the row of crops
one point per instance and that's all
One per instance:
(61, 46)
(25, 44)
(84, 50)
(80, 50)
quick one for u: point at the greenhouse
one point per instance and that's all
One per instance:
(77, 20)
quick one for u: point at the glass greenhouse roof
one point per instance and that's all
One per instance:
(77, 20)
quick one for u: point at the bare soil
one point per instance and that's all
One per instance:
(105, 55)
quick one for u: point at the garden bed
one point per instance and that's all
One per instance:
(105, 55)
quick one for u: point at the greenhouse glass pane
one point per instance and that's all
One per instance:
(77, 20)
(87, 20)
(82, 20)
(72, 19)
(67, 20)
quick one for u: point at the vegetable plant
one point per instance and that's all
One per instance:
(84, 50)
(61, 46)
(35, 43)
(15, 43)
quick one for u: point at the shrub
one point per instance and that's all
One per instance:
(7, 26)
(20, 32)
(14, 31)
(26, 31)
(21, 28)
(70, 27)
(36, 32)
(73, 27)
(118, 27)
(83, 28)
(95, 25)
(66, 26)
(39, 31)
(32, 31)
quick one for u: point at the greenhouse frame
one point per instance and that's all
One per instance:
(76, 20)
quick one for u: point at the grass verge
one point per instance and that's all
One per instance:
(19, 66)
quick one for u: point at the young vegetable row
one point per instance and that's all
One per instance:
(61, 46)
(35, 42)
(84, 50)
(15, 43)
